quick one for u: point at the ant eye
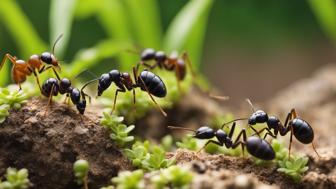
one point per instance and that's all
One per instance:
(46, 57)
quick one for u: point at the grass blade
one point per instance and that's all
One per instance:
(61, 17)
(325, 12)
(20, 28)
(113, 18)
(147, 25)
(86, 59)
(184, 27)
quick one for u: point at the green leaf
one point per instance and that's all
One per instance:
(21, 30)
(61, 17)
(145, 20)
(325, 11)
(86, 8)
(113, 17)
(87, 58)
(188, 28)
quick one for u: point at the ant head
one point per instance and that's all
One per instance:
(81, 106)
(103, 83)
(258, 116)
(75, 95)
(115, 75)
(222, 136)
(204, 133)
(49, 58)
(147, 54)
(50, 86)
(160, 56)
(273, 122)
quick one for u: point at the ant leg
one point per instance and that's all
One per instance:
(37, 79)
(115, 98)
(49, 99)
(269, 132)
(290, 141)
(58, 77)
(210, 141)
(11, 59)
(186, 58)
(293, 113)
(313, 145)
(255, 131)
(238, 142)
(232, 129)
(134, 100)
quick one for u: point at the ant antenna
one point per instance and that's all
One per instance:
(58, 38)
(250, 103)
(239, 119)
(181, 128)
(88, 83)
(86, 71)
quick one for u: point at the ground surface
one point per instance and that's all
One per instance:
(48, 143)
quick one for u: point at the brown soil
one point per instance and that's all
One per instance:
(48, 145)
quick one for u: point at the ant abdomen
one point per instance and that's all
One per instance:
(103, 83)
(302, 131)
(75, 95)
(259, 148)
(153, 83)
(50, 87)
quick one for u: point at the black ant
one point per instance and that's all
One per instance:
(301, 129)
(146, 81)
(256, 146)
(51, 87)
(36, 63)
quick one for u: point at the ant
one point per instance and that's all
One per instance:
(175, 63)
(301, 129)
(146, 81)
(256, 146)
(36, 63)
(170, 63)
(51, 87)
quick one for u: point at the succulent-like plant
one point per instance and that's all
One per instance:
(13, 98)
(129, 180)
(119, 131)
(294, 167)
(15, 179)
(4, 112)
(173, 177)
(188, 142)
(81, 170)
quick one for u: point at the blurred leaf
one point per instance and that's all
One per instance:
(146, 23)
(21, 29)
(182, 30)
(86, 8)
(61, 17)
(113, 17)
(4, 76)
(325, 12)
(87, 58)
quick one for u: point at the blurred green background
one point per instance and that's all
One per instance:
(246, 49)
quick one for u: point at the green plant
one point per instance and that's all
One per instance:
(119, 131)
(10, 99)
(294, 167)
(167, 142)
(148, 156)
(173, 177)
(4, 112)
(81, 170)
(129, 180)
(188, 142)
(15, 179)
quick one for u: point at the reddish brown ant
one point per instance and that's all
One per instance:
(175, 63)
(36, 63)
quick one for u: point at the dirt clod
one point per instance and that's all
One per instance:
(48, 143)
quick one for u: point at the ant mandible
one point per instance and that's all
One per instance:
(256, 146)
(146, 81)
(36, 63)
(51, 87)
(301, 129)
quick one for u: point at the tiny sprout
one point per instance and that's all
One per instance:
(173, 177)
(129, 180)
(16, 179)
(294, 167)
(119, 131)
(81, 169)
(13, 98)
